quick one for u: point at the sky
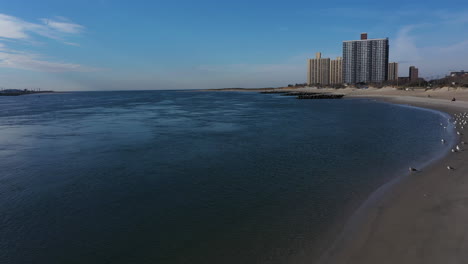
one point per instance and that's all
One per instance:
(184, 44)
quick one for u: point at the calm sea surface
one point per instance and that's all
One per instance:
(191, 177)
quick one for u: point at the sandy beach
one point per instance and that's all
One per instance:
(422, 218)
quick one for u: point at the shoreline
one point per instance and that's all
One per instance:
(19, 93)
(417, 218)
(395, 222)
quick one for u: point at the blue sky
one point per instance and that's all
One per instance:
(111, 45)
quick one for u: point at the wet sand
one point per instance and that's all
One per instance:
(422, 218)
(418, 219)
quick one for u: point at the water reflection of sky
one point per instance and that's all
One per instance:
(177, 174)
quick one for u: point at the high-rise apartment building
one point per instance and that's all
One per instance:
(393, 71)
(363, 36)
(318, 71)
(461, 73)
(365, 60)
(413, 74)
(336, 71)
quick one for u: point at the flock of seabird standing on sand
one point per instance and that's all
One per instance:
(459, 122)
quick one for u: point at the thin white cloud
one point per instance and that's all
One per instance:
(14, 29)
(414, 46)
(404, 46)
(71, 43)
(63, 26)
(35, 62)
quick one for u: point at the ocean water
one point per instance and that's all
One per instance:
(193, 177)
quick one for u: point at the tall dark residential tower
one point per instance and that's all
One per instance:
(365, 60)
(413, 74)
(393, 71)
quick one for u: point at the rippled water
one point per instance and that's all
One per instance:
(191, 177)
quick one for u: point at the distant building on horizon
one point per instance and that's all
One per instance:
(403, 80)
(365, 60)
(318, 70)
(393, 71)
(413, 74)
(336, 71)
(458, 74)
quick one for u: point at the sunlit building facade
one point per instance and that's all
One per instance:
(365, 60)
(336, 71)
(318, 70)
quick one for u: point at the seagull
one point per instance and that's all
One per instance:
(453, 151)
(411, 169)
(442, 140)
(458, 133)
(450, 168)
(458, 148)
(463, 142)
